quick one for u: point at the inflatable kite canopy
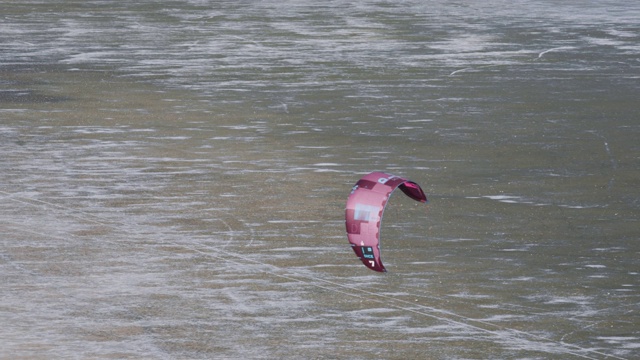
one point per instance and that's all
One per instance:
(363, 214)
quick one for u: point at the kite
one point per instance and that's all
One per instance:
(363, 214)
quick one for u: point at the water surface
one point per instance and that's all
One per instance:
(174, 175)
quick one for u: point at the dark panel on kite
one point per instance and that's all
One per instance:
(363, 214)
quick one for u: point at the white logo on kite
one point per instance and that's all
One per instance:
(383, 180)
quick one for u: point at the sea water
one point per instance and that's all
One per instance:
(174, 173)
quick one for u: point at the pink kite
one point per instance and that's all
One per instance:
(363, 214)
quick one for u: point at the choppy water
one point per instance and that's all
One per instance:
(173, 178)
